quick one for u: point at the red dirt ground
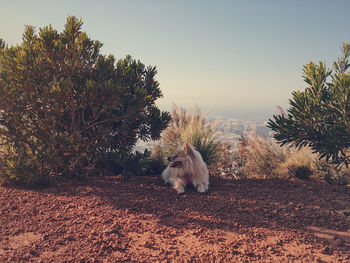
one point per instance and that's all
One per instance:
(143, 220)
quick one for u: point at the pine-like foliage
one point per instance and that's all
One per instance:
(67, 109)
(319, 116)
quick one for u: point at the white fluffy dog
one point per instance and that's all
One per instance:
(186, 167)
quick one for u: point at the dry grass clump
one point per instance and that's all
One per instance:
(190, 125)
(259, 157)
(299, 163)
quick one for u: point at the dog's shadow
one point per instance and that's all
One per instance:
(228, 204)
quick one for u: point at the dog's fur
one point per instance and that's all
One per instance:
(186, 167)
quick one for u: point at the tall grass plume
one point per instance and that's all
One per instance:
(190, 125)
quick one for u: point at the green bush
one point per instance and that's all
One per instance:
(191, 126)
(301, 172)
(144, 163)
(65, 109)
(157, 160)
(332, 174)
(319, 116)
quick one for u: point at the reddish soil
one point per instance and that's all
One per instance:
(143, 220)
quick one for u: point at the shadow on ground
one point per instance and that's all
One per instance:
(142, 219)
(274, 204)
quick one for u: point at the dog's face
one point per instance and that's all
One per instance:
(181, 153)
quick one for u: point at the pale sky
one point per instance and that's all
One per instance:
(233, 58)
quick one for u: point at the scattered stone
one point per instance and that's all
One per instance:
(326, 250)
(339, 242)
(148, 244)
(318, 260)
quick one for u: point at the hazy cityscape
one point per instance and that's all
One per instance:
(230, 131)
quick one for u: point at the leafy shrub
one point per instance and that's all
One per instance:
(65, 109)
(137, 164)
(157, 160)
(144, 163)
(318, 117)
(301, 172)
(191, 126)
(332, 174)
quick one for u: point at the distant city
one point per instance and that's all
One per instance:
(230, 131)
